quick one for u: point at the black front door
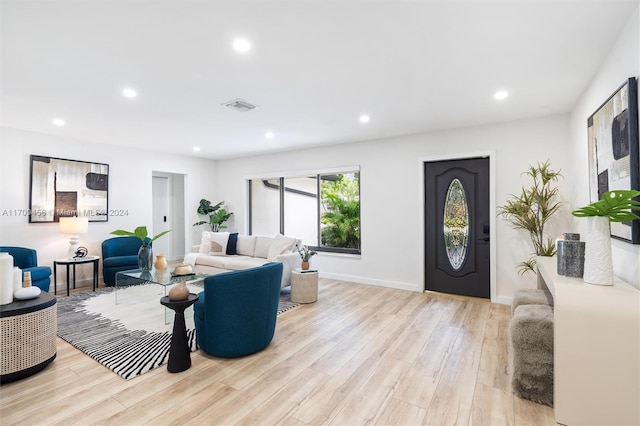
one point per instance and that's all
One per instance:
(457, 255)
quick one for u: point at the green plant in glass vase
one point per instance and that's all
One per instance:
(145, 253)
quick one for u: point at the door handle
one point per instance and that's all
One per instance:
(485, 239)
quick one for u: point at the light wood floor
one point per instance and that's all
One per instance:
(360, 355)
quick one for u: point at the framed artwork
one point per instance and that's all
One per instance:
(64, 188)
(614, 151)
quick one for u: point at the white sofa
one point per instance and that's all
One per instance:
(251, 251)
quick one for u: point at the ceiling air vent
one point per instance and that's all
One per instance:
(240, 105)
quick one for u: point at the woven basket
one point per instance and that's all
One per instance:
(28, 339)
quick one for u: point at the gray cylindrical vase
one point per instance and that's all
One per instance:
(571, 258)
(569, 236)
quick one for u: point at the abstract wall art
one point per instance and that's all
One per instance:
(614, 151)
(63, 188)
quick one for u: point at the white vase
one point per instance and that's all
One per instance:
(17, 279)
(6, 278)
(598, 266)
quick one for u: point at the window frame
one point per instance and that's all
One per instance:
(308, 173)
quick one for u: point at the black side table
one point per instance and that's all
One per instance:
(28, 336)
(179, 353)
(74, 262)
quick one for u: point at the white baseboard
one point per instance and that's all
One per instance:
(62, 284)
(369, 281)
(503, 300)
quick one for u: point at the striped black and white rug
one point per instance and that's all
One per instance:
(132, 336)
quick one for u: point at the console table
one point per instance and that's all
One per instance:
(596, 349)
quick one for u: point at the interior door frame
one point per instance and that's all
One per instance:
(492, 210)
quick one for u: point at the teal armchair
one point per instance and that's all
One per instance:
(119, 254)
(27, 260)
(237, 311)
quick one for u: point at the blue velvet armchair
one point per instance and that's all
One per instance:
(119, 254)
(27, 260)
(237, 311)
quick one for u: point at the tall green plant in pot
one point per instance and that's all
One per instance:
(532, 209)
(218, 215)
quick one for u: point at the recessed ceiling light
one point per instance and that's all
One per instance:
(129, 93)
(58, 122)
(269, 135)
(196, 148)
(241, 45)
(501, 94)
(364, 118)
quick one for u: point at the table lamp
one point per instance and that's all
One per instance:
(74, 226)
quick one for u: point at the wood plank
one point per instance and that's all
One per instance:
(360, 354)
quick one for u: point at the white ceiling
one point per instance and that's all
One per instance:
(315, 66)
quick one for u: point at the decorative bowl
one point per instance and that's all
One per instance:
(182, 269)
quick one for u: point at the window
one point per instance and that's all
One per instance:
(321, 209)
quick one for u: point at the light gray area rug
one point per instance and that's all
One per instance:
(129, 337)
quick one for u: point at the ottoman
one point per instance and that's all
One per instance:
(531, 297)
(531, 331)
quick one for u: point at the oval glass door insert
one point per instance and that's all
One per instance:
(456, 224)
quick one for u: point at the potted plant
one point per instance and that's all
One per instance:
(218, 214)
(615, 206)
(532, 209)
(305, 254)
(145, 253)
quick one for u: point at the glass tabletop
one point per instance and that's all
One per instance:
(162, 277)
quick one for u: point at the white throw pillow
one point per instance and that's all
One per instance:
(280, 245)
(246, 245)
(219, 241)
(205, 243)
(262, 246)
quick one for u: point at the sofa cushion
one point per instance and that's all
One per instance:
(205, 243)
(111, 262)
(262, 246)
(280, 245)
(219, 241)
(215, 261)
(246, 245)
(236, 263)
(231, 245)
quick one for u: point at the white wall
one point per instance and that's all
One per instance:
(130, 177)
(622, 63)
(391, 203)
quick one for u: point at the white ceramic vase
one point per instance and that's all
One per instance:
(6, 278)
(17, 279)
(598, 266)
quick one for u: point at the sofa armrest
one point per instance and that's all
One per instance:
(290, 261)
(195, 249)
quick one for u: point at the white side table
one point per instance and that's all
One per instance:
(304, 286)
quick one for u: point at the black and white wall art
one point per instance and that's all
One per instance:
(614, 151)
(63, 188)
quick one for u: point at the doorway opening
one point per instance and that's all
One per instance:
(169, 213)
